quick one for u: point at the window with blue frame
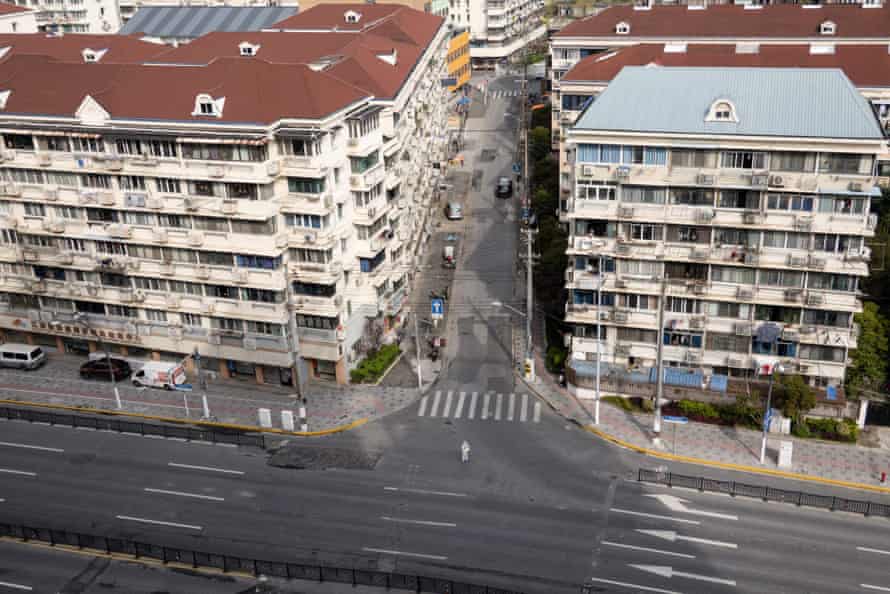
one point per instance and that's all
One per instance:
(251, 261)
(618, 154)
(370, 264)
(575, 102)
(589, 298)
(683, 338)
(582, 262)
(781, 348)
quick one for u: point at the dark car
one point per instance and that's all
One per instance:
(504, 188)
(98, 369)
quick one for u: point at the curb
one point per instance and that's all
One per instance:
(705, 462)
(178, 421)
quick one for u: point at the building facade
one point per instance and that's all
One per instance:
(17, 19)
(498, 28)
(459, 67)
(254, 230)
(733, 211)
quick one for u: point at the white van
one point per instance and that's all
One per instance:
(157, 374)
(21, 356)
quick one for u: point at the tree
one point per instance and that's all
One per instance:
(539, 144)
(868, 370)
(541, 118)
(877, 285)
(796, 398)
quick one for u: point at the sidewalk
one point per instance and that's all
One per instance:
(718, 444)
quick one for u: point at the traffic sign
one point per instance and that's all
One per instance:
(516, 168)
(437, 307)
(676, 420)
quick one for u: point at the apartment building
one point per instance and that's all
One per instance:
(69, 16)
(17, 19)
(498, 28)
(734, 208)
(259, 197)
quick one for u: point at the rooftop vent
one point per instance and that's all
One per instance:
(827, 28)
(747, 48)
(352, 16)
(675, 48)
(91, 55)
(821, 49)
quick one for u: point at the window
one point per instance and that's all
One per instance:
(149, 284)
(121, 311)
(645, 232)
(311, 256)
(189, 319)
(622, 28)
(60, 178)
(264, 328)
(727, 342)
(786, 240)
(638, 267)
(723, 112)
(74, 245)
(87, 145)
(21, 142)
(590, 331)
(643, 195)
(168, 185)
(155, 315)
(146, 219)
(248, 49)
(682, 338)
(221, 291)
(111, 247)
(175, 221)
(359, 127)
(742, 160)
(146, 252)
(781, 348)
(637, 335)
(792, 161)
(23, 176)
(836, 243)
(369, 231)
(777, 313)
(264, 262)
(827, 28)
(56, 143)
(262, 295)
(223, 152)
(215, 258)
(362, 164)
(832, 282)
(205, 105)
(203, 188)
(818, 317)
(371, 264)
(301, 147)
(729, 274)
(682, 305)
(580, 297)
(131, 182)
(251, 227)
(637, 302)
(794, 202)
(697, 158)
(590, 191)
(128, 146)
(738, 199)
(727, 309)
(159, 148)
(821, 353)
(34, 209)
(308, 221)
(736, 237)
(96, 180)
(363, 199)
(781, 278)
(110, 279)
(684, 234)
(844, 163)
(683, 270)
(186, 288)
(842, 205)
(318, 322)
(305, 185)
(314, 289)
(692, 196)
(102, 215)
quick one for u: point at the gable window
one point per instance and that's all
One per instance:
(205, 105)
(722, 110)
(352, 17)
(827, 28)
(248, 49)
(622, 28)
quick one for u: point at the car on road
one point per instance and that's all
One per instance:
(454, 211)
(504, 188)
(21, 356)
(98, 369)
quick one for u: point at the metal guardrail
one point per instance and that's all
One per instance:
(733, 488)
(113, 423)
(204, 560)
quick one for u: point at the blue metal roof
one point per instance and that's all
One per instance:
(795, 102)
(194, 21)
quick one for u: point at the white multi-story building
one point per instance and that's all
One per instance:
(238, 187)
(498, 28)
(731, 200)
(17, 19)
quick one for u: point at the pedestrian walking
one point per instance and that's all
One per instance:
(465, 451)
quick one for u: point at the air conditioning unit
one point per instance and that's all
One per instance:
(619, 316)
(44, 159)
(229, 207)
(803, 223)
(114, 164)
(159, 235)
(622, 249)
(174, 332)
(190, 203)
(742, 329)
(699, 288)
(751, 218)
(125, 295)
(790, 335)
(173, 301)
(106, 199)
(797, 261)
(815, 299)
(808, 329)
(699, 255)
(208, 307)
(154, 203)
(776, 181)
(352, 142)
(355, 181)
(119, 230)
(587, 170)
(50, 193)
(240, 275)
(697, 323)
(250, 343)
(135, 200)
(817, 262)
(622, 172)
(65, 258)
(273, 168)
(196, 238)
(744, 294)
(855, 186)
(168, 268)
(30, 255)
(216, 171)
(622, 350)
(309, 237)
(693, 357)
(92, 289)
(625, 212)
(759, 179)
(12, 189)
(793, 295)
(705, 179)
(704, 215)
(736, 362)
(620, 283)
(202, 272)
(338, 300)
(54, 226)
(328, 201)
(8, 155)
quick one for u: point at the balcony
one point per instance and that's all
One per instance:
(367, 179)
(362, 146)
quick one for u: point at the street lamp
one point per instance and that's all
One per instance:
(599, 336)
(774, 369)
(510, 307)
(82, 319)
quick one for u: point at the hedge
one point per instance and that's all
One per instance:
(833, 429)
(371, 368)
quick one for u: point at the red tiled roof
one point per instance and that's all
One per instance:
(255, 92)
(864, 65)
(330, 16)
(122, 49)
(12, 8)
(735, 21)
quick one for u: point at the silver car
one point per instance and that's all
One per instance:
(454, 211)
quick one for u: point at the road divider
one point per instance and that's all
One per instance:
(671, 536)
(667, 571)
(404, 554)
(207, 468)
(159, 522)
(619, 545)
(184, 494)
(419, 522)
(25, 446)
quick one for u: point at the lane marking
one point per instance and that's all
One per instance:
(632, 586)
(447, 410)
(511, 407)
(472, 413)
(184, 494)
(878, 588)
(869, 550)
(425, 492)
(654, 516)
(207, 468)
(499, 401)
(159, 522)
(672, 536)
(486, 400)
(420, 522)
(435, 407)
(647, 549)
(31, 447)
(422, 408)
(675, 504)
(666, 571)
(404, 554)
(537, 415)
(460, 405)
(523, 413)
(16, 586)
(21, 472)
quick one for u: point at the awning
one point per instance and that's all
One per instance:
(874, 191)
(213, 140)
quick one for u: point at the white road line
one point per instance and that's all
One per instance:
(460, 405)
(31, 447)
(878, 588)
(511, 407)
(446, 412)
(404, 554)
(632, 586)
(183, 494)
(425, 492)
(207, 468)
(159, 522)
(435, 407)
(486, 400)
(537, 415)
(21, 472)
(16, 586)
(420, 522)
(869, 550)
(646, 549)
(472, 414)
(523, 413)
(654, 516)
(499, 402)
(422, 408)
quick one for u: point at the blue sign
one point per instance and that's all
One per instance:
(182, 387)
(677, 420)
(516, 168)
(766, 420)
(831, 393)
(437, 307)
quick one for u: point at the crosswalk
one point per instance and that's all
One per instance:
(501, 94)
(476, 406)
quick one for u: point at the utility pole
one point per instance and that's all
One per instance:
(659, 386)
(599, 338)
(417, 342)
(294, 345)
(526, 185)
(202, 383)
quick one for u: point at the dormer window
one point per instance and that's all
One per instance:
(91, 55)
(827, 28)
(248, 49)
(622, 28)
(352, 17)
(722, 110)
(4, 97)
(207, 106)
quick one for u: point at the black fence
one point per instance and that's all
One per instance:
(204, 560)
(829, 502)
(121, 425)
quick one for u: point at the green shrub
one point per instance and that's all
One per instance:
(698, 410)
(622, 403)
(647, 405)
(371, 368)
(556, 358)
(800, 429)
(838, 430)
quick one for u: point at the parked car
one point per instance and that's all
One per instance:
(98, 369)
(504, 188)
(454, 211)
(21, 356)
(157, 374)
